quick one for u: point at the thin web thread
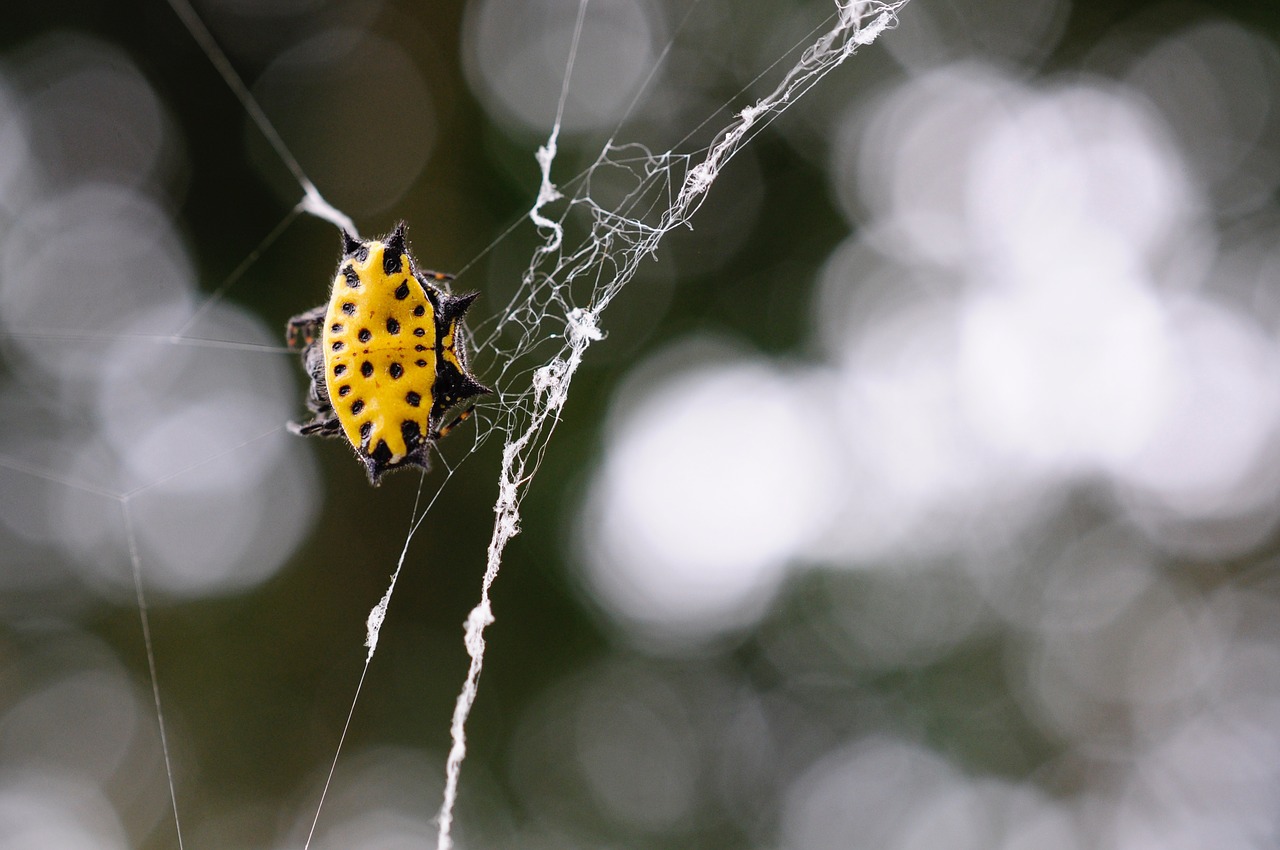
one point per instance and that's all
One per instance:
(374, 625)
(610, 256)
(140, 597)
(373, 628)
(218, 294)
(145, 619)
(312, 201)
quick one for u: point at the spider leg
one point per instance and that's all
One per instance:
(318, 400)
(323, 426)
(428, 280)
(305, 328)
(374, 469)
(457, 420)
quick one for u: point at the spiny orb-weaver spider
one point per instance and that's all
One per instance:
(386, 356)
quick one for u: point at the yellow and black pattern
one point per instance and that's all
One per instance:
(386, 355)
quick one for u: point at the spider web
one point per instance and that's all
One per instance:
(595, 227)
(670, 186)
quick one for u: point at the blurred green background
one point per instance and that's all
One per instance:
(923, 494)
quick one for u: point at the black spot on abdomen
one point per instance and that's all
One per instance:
(412, 433)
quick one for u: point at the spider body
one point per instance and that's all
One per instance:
(386, 356)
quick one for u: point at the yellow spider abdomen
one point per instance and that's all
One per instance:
(386, 356)
(380, 354)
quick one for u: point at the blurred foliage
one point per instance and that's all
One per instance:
(258, 684)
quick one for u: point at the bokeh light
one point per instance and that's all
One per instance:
(42, 810)
(516, 54)
(356, 112)
(1044, 391)
(161, 415)
(675, 534)
(924, 494)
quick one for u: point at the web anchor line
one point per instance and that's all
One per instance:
(858, 23)
(144, 619)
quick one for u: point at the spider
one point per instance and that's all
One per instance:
(386, 356)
